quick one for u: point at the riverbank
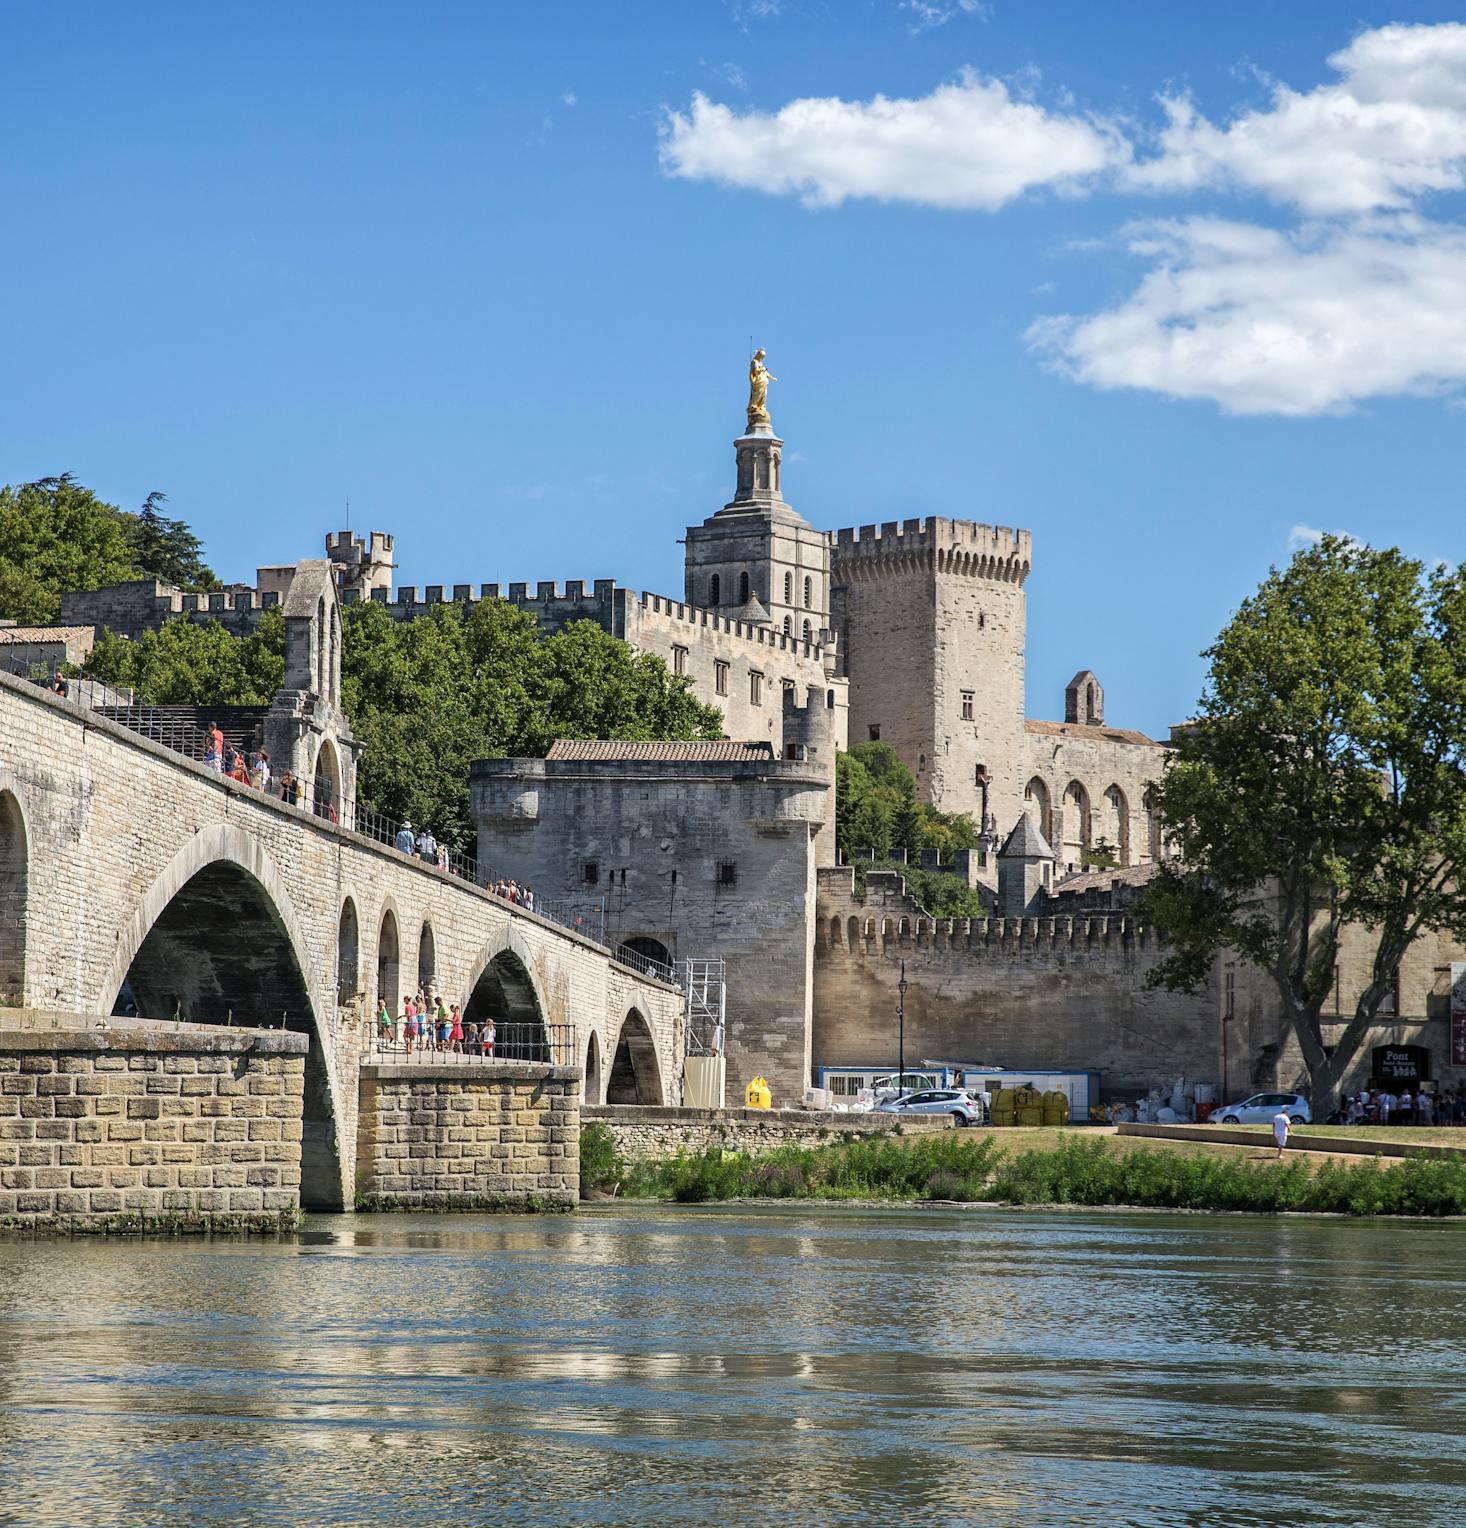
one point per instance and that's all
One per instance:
(1076, 1168)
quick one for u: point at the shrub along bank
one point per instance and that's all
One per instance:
(1079, 1172)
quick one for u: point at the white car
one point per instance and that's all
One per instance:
(1261, 1107)
(964, 1107)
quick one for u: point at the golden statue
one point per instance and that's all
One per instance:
(759, 377)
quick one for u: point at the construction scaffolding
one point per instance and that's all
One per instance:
(706, 986)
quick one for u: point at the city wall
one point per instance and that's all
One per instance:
(1046, 993)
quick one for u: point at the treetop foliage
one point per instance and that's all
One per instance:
(57, 536)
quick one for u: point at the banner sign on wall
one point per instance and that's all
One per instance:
(1458, 1013)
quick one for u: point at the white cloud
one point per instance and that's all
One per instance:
(969, 144)
(1390, 130)
(734, 76)
(569, 98)
(937, 13)
(1301, 536)
(1265, 321)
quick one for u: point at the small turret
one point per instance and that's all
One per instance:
(1025, 869)
(1084, 700)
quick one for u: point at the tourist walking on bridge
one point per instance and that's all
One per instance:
(404, 841)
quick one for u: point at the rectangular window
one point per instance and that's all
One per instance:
(727, 873)
(720, 678)
(1390, 1002)
(1229, 988)
(679, 660)
(755, 687)
(590, 872)
(875, 732)
(967, 705)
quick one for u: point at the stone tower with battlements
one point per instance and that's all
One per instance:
(931, 620)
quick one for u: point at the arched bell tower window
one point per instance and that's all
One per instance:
(788, 588)
(743, 588)
(808, 594)
(714, 589)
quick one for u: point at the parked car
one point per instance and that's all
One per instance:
(964, 1107)
(1261, 1107)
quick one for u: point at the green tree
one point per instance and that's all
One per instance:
(186, 663)
(57, 536)
(876, 807)
(1321, 786)
(167, 549)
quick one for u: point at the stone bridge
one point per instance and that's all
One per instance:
(135, 880)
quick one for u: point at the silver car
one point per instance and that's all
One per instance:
(964, 1107)
(1260, 1108)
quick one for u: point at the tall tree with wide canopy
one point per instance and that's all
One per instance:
(1323, 784)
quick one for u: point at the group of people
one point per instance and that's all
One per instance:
(512, 891)
(1383, 1106)
(421, 845)
(429, 1024)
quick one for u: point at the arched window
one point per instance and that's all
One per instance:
(830, 699)
(1040, 808)
(1076, 825)
(388, 962)
(743, 588)
(1115, 823)
(13, 886)
(835, 930)
(788, 625)
(808, 594)
(806, 631)
(714, 589)
(348, 944)
(427, 958)
(321, 646)
(788, 588)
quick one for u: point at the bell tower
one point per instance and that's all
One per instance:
(757, 560)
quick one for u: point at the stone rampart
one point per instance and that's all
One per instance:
(653, 1134)
(452, 1137)
(1063, 994)
(149, 1127)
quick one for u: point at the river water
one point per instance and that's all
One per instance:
(726, 1366)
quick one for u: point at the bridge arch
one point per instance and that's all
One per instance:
(503, 988)
(217, 939)
(14, 897)
(636, 1075)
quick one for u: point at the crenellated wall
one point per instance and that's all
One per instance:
(1059, 993)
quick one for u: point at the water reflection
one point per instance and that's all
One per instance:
(640, 1366)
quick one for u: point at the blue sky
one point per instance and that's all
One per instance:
(1169, 285)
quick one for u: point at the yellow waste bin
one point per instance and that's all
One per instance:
(757, 1095)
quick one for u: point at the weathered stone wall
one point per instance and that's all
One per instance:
(452, 1137)
(1114, 768)
(652, 1134)
(712, 859)
(107, 829)
(1051, 993)
(110, 1128)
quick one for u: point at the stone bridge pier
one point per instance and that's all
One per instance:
(136, 882)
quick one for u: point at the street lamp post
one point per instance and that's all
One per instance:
(901, 987)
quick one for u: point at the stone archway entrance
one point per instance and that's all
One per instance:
(388, 963)
(635, 1078)
(591, 1090)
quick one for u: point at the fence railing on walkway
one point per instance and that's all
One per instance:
(546, 1044)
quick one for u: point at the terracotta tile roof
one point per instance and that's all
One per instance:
(1102, 880)
(597, 748)
(1092, 734)
(42, 633)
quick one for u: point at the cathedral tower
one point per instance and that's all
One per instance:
(756, 560)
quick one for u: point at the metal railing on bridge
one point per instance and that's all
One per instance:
(545, 1044)
(316, 798)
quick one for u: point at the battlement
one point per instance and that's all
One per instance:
(760, 636)
(346, 546)
(240, 599)
(961, 547)
(887, 919)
